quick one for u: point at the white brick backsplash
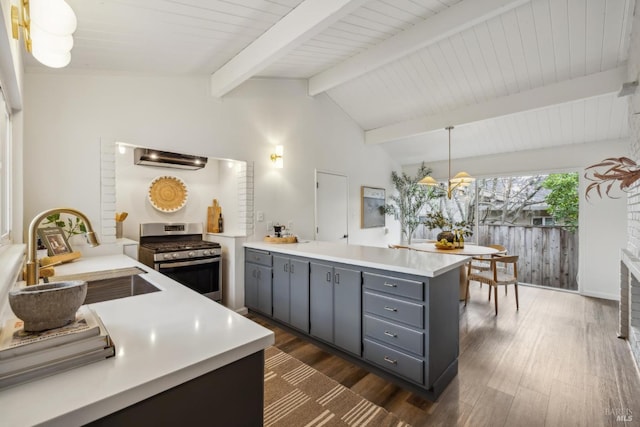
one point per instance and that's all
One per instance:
(631, 310)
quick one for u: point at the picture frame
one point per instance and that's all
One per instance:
(55, 240)
(372, 201)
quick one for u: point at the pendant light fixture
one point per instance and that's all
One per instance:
(460, 180)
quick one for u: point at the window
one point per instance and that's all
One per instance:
(5, 171)
(545, 221)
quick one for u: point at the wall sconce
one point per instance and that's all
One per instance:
(47, 26)
(276, 157)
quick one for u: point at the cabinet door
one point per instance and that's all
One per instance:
(250, 286)
(347, 310)
(321, 301)
(299, 292)
(264, 289)
(281, 293)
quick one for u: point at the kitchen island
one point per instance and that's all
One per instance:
(392, 311)
(180, 357)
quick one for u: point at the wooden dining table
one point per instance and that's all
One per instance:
(468, 250)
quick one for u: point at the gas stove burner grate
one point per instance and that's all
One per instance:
(171, 246)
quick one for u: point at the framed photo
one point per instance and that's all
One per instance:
(372, 207)
(55, 240)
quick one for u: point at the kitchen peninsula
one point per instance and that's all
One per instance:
(180, 358)
(392, 311)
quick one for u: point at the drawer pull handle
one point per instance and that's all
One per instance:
(390, 360)
(390, 308)
(390, 285)
(390, 334)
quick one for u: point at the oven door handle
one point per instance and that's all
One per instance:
(188, 263)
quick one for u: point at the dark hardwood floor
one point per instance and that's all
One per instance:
(556, 362)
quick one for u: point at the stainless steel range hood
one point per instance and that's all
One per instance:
(165, 159)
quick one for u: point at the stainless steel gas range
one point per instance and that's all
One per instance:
(178, 251)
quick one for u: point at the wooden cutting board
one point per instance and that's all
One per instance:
(59, 259)
(213, 214)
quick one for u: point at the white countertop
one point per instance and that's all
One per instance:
(397, 260)
(162, 339)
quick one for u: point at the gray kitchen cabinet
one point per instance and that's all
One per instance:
(291, 291)
(335, 306)
(257, 279)
(400, 326)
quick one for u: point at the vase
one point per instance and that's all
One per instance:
(445, 235)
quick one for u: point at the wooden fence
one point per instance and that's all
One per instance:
(548, 255)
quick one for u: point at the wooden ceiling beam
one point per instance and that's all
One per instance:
(450, 21)
(305, 21)
(557, 93)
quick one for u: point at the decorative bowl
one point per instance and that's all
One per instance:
(48, 306)
(441, 246)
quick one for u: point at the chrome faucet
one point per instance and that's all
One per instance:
(32, 246)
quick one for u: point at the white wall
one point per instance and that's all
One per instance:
(66, 115)
(215, 180)
(603, 223)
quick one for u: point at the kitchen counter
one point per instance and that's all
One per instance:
(163, 339)
(392, 311)
(397, 260)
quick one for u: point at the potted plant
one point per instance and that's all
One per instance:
(70, 227)
(437, 221)
(410, 199)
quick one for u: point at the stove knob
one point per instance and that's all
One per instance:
(191, 254)
(206, 252)
(174, 255)
(167, 256)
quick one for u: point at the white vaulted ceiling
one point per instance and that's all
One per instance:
(510, 75)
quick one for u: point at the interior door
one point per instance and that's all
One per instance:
(332, 201)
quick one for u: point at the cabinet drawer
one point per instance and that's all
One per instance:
(394, 361)
(394, 334)
(394, 309)
(393, 285)
(258, 257)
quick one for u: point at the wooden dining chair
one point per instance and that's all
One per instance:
(480, 263)
(495, 276)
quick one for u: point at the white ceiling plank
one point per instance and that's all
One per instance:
(554, 118)
(469, 71)
(478, 63)
(302, 23)
(560, 30)
(498, 37)
(590, 121)
(565, 128)
(625, 36)
(604, 117)
(516, 50)
(544, 35)
(569, 90)
(577, 36)
(492, 65)
(595, 34)
(443, 91)
(450, 21)
(578, 119)
(456, 73)
(614, 31)
(531, 50)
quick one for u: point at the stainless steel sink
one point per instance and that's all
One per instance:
(113, 284)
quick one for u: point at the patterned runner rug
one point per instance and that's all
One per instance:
(297, 395)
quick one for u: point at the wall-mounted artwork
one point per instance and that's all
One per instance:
(372, 207)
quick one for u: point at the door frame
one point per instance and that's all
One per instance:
(315, 199)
